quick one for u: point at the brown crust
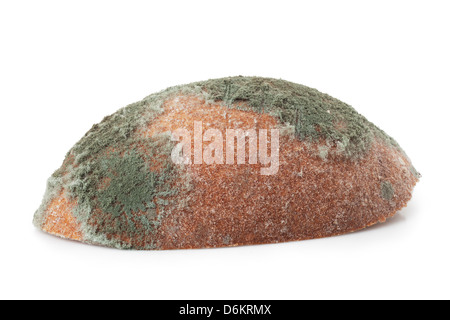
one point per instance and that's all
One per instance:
(60, 220)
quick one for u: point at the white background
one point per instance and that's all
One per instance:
(64, 65)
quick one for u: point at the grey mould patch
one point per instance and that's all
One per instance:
(387, 190)
(314, 115)
(126, 190)
(415, 172)
(226, 240)
(111, 150)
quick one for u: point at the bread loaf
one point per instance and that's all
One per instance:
(227, 162)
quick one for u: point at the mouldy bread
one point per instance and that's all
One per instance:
(119, 187)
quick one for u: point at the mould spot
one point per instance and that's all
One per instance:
(387, 190)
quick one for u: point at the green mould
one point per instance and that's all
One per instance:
(313, 114)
